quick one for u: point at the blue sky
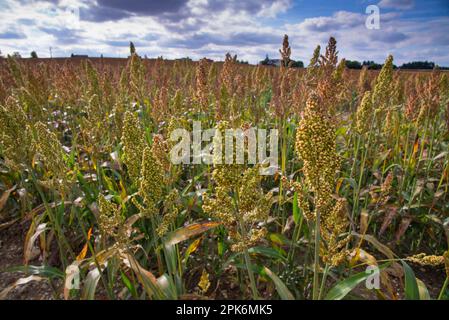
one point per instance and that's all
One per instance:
(409, 29)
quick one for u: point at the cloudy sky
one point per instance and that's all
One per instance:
(409, 29)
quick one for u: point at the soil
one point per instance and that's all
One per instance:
(11, 255)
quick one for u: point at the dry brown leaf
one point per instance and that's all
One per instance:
(31, 237)
(405, 222)
(83, 252)
(388, 219)
(5, 196)
(19, 282)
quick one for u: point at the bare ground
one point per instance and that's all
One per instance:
(11, 255)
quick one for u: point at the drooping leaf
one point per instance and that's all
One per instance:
(411, 285)
(128, 284)
(281, 288)
(31, 238)
(192, 248)
(167, 286)
(187, 232)
(72, 273)
(267, 252)
(83, 252)
(21, 281)
(90, 284)
(5, 197)
(423, 292)
(43, 271)
(145, 277)
(279, 239)
(342, 288)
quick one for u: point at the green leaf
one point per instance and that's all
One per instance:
(411, 285)
(128, 284)
(171, 258)
(43, 271)
(279, 239)
(423, 292)
(267, 252)
(342, 288)
(281, 288)
(167, 286)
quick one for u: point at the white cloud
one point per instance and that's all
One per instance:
(200, 31)
(273, 9)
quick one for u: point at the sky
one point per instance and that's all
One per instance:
(409, 29)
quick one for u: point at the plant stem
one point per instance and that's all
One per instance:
(316, 269)
(443, 289)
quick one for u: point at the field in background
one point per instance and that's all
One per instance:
(85, 175)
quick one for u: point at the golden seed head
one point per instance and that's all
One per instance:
(363, 83)
(334, 224)
(15, 135)
(383, 89)
(110, 221)
(133, 141)
(364, 114)
(316, 147)
(151, 182)
(202, 87)
(228, 73)
(427, 260)
(239, 202)
(50, 151)
(170, 212)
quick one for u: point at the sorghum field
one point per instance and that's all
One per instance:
(358, 207)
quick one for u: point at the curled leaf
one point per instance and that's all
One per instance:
(187, 232)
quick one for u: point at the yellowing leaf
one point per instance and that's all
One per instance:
(415, 146)
(192, 247)
(83, 252)
(188, 231)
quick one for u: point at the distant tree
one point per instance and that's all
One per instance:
(265, 61)
(353, 64)
(242, 62)
(180, 59)
(33, 54)
(371, 65)
(132, 48)
(296, 64)
(15, 55)
(1, 55)
(425, 65)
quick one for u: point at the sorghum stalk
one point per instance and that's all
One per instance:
(316, 265)
(316, 147)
